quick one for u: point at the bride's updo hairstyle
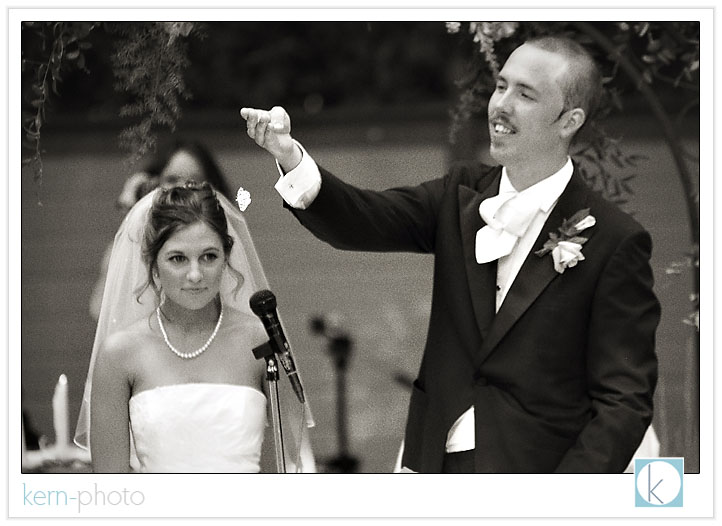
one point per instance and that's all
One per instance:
(175, 208)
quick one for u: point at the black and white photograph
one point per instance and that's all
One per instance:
(331, 248)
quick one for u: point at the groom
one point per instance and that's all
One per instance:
(540, 352)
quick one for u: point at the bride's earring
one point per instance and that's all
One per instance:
(161, 293)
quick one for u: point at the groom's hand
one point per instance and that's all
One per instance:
(272, 131)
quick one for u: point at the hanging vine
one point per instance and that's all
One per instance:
(48, 50)
(149, 60)
(148, 64)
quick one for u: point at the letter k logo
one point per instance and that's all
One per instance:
(658, 482)
(650, 492)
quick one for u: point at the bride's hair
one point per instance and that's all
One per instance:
(177, 207)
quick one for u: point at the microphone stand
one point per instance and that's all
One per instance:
(265, 351)
(339, 347)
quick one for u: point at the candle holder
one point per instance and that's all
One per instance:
(62, 455)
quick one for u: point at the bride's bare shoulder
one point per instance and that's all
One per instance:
(236, 319)
(124, 343)
(243, 327)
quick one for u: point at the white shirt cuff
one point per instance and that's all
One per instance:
(461, 435)
(300, 186)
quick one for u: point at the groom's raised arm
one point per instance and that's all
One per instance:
(346, 217)
(300, 180)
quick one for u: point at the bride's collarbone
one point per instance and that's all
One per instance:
(167, 369)
(234, 324)
(225, 361)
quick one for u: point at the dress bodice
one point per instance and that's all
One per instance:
(198, 428)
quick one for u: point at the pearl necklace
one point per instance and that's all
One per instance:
(192, 354)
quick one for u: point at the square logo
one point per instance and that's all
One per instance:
(658, 482)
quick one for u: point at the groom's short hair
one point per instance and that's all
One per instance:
(582, 84)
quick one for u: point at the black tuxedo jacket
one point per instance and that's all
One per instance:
(562, 377)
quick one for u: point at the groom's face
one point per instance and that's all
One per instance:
(525, 108)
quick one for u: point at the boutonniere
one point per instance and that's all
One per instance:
(566, 246)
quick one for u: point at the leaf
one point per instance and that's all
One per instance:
(548, 247)
(667, 55)
(578, 216)
(642, 28)
(649, 59)
(654, 46)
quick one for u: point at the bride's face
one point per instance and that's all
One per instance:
(190, 266)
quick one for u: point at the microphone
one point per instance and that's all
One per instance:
(263, 305)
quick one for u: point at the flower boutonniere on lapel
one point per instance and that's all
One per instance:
(566, 246)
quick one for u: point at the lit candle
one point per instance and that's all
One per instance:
(60, 413)
(24, 444)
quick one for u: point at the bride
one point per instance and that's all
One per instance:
(173, 385)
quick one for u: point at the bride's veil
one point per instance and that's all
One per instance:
(121, 307)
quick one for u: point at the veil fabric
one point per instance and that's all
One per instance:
(121, 307)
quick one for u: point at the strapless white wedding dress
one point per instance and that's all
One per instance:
(198, 428)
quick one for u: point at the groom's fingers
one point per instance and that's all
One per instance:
(280, 122)
(256, 122)
(260, 132)
(251, 117)
(265, 127)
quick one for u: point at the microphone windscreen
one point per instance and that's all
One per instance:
(262, 302)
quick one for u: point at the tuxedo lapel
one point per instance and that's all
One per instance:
(537, 272)
(481, 278)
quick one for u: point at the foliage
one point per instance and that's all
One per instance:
(48, 48)
(312, 66)
(148, 63)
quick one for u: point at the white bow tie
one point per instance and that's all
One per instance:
(507, 217)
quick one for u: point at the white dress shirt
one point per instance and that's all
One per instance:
(300, 186)
(546, 193)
